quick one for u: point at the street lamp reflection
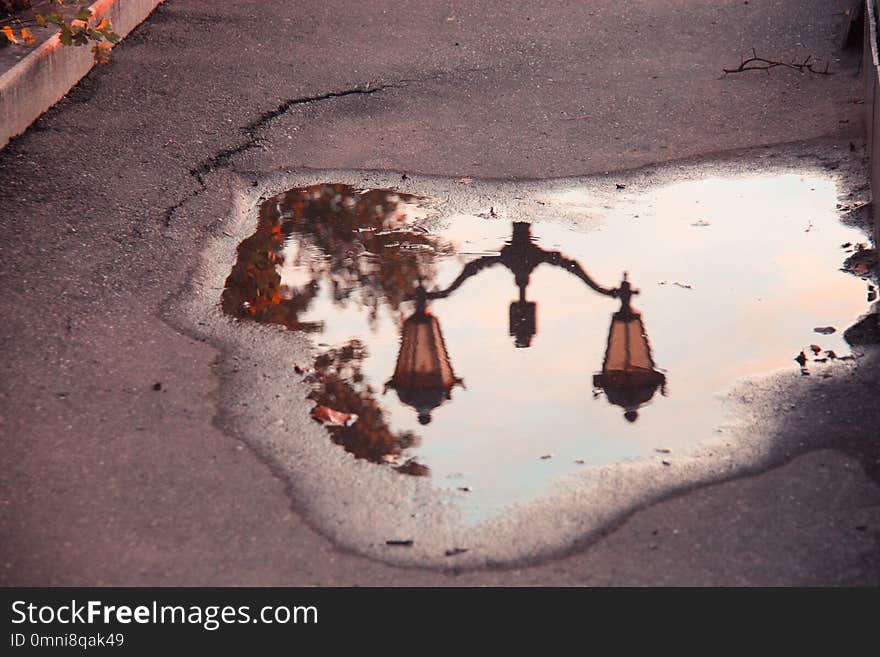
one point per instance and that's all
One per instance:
(628, 376)
(423, 377)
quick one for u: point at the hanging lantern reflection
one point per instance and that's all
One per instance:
(423, 377)
(523, 321)
(628, 376)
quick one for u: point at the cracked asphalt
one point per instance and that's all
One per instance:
(106, 201)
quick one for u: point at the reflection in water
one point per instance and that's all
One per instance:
(356, 267)
(362, 246)
(628, 376)
(342, 387)
(359, 242)
(344, 227)
(522, 256)
(423, 376)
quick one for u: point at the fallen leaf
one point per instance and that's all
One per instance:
(825, 330)
(6, 31)
(546, 456)
(332, 418)
(801, 359)
(400, 542)
(701, 222)
(463, 181)
(816, 348)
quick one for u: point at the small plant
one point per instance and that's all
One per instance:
(76, 29)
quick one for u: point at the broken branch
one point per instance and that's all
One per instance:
(755, 63)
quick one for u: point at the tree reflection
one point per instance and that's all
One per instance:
(360, 244)
(342, 387)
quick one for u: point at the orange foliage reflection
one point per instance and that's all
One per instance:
(342, 387)
(355, 246)
(359, 243)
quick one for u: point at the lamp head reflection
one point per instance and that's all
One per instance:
(523, 321)
(423, 377)
(628, 376)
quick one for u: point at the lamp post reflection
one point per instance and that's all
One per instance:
(628, 376)
(423, 377)
(522, 256)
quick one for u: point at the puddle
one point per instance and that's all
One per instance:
(458, 374)
(496, 356)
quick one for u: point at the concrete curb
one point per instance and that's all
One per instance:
(44, 76)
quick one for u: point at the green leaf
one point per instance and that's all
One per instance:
(40, 20)
(57, 19)
(106, 28)
(83, 14)
(65, 36)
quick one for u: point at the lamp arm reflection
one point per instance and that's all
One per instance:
(556, 259)
(470, 269)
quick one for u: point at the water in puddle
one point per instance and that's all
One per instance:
(495, 356)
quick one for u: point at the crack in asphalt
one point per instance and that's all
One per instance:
(222, 159)
(266, 117)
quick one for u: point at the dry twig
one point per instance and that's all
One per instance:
(755, 63)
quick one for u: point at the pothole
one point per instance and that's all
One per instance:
(465, 372)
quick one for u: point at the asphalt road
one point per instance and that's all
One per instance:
(102, 215)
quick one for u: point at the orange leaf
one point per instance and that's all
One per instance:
(332, 418)
(101, 52)
(8, 33)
